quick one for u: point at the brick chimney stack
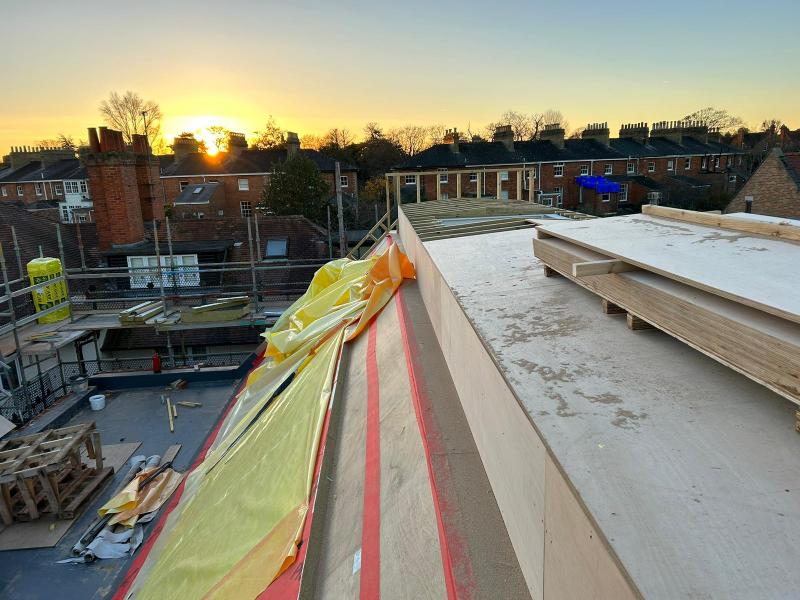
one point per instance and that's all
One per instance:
(236, 144)
(183, 145)
(148, 179)
(597, 131)
(451, 138)
(112, 173)
(553, 133)
(292, 144)
(504, 134)
(638, 132)
(670, 130)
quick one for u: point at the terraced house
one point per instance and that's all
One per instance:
(649, 164)
(238, 176)
(47, 178)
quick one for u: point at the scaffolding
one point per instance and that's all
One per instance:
(96, 295)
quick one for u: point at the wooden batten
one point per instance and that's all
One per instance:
(601, 267)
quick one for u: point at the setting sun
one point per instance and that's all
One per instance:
(201, 126)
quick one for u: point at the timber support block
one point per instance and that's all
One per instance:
(550, 272)
(610, 308)
(637, 324)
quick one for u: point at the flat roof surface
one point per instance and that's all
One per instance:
(131, 415)
(690, 469)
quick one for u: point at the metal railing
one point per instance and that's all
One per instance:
(41, 392)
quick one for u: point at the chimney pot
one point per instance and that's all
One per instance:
(292, 143)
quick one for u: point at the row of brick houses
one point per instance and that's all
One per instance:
(47, 178)
(55, 178)
(649, 164)
(240, 175)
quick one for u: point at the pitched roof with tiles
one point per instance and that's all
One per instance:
(496, 153)
(68, 168)
(198, 193)
(246, 162)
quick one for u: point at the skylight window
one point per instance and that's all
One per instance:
(198, 189)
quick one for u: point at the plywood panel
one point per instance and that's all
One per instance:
(763, 347)
(577, 564)
(509, 446)
(756, 271)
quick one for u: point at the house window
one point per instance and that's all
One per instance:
(39, 187)
(584, 169)
(704, 163)
(344, 181)
(411, 180)
(3, 191)
(732, 179)
(183, 185)
(503, 175)
(277, 248)
(716, 162)
(71, 187)
(671, 165)
(631, 168)
(605, 197)
(651, 166)
(244, 185)
(473, 177)
(443, 177)
(82, 218)
(623, 192)
(58, 189)
(19, 190)
(687, 164)
(609, 168)
(84, 187)
(185, 273)
(65, 214)
(559, 196)
(246, 208)
(558, 170)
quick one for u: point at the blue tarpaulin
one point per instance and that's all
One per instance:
(598, 183)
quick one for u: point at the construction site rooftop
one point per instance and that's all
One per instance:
(625, 454)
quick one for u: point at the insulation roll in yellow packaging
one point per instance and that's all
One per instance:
(47, 295)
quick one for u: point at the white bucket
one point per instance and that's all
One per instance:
(98, 402)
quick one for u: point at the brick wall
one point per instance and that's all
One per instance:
(115, 193)
(773, 189)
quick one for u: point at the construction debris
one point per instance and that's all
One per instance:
(188, 404)
(178, 384)
(141, 312)
(44, 473)
(221, 309)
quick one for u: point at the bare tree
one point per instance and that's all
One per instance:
(525, 126)
(770, 125)
(576, 133)
(130, 114)
(435, 134)
(62, 140)
(339, 137)
(717, 118)
(554, 116)
(372, 131)
(311, 141)
(219, 135)
(412, 139)
(270, 137)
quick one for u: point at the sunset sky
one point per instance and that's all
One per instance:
(316, 65)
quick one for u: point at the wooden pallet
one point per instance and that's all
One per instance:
(44, 473)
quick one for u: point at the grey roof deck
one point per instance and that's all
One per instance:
(690, 470)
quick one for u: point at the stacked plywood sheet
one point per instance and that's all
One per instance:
(726, 292)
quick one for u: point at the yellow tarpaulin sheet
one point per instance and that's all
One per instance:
(243, 508)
